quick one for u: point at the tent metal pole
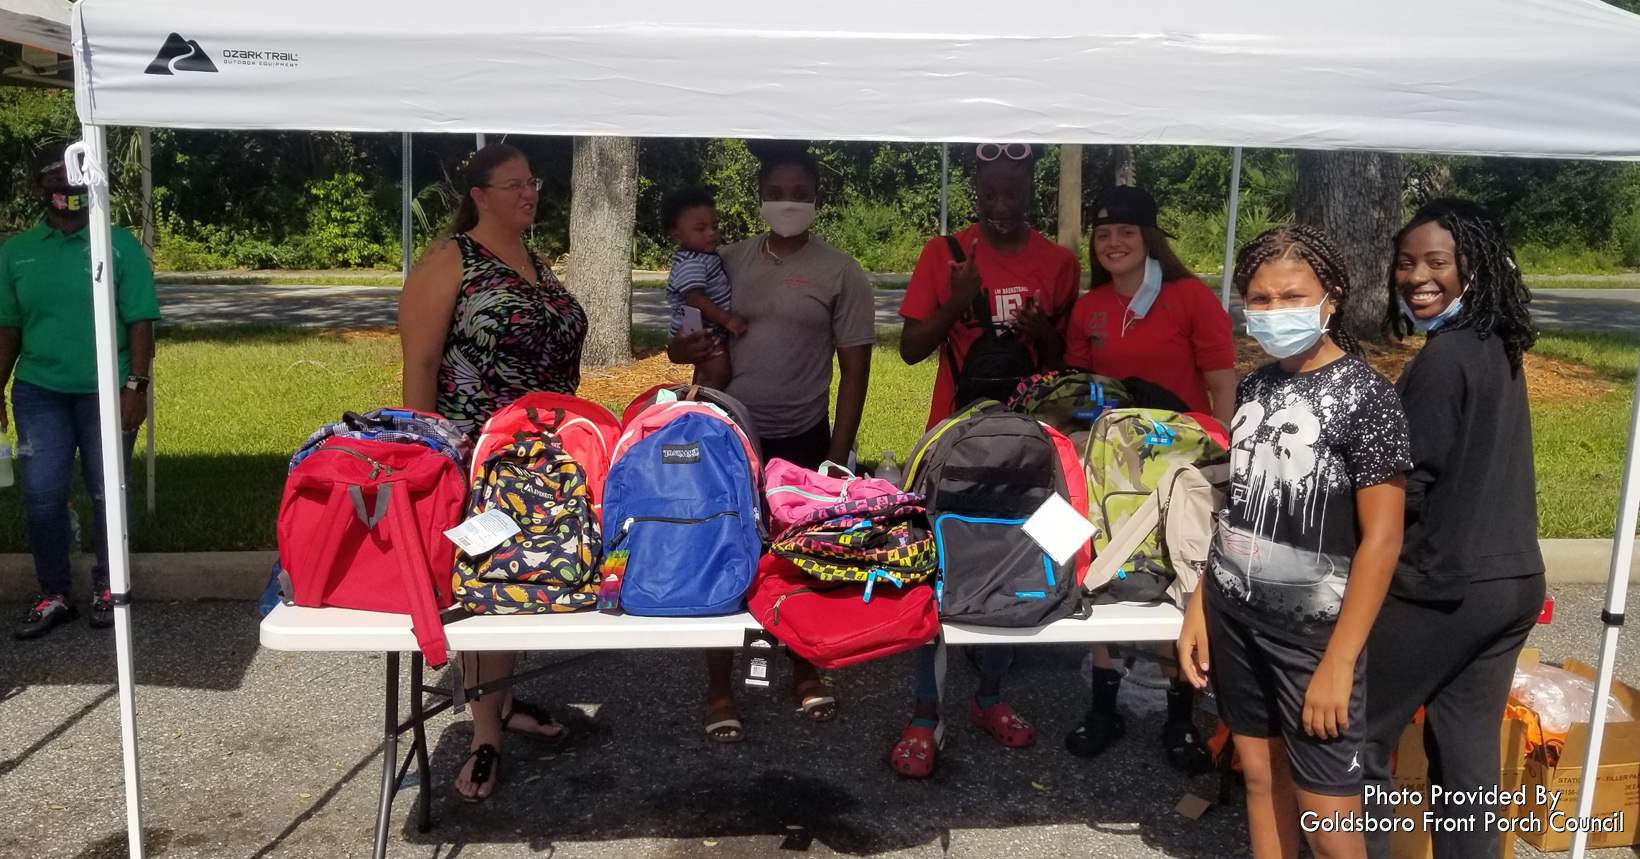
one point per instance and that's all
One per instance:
(1617, 588)
(1230, 228)
(95, 174)
(145, 148)
(945, 189)
(480, 139)
(406, 235)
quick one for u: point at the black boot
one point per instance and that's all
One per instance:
(1103, 726)
(1186, 748)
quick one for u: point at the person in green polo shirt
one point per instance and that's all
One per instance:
(47, 342)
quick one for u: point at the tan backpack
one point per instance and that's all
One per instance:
(1183, 513)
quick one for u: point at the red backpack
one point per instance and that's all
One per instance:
(1076, 483)
(831, 624)
(362, 526)
(581, 428)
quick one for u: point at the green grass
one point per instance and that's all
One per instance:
(234, 402)
(265, 279)
(1579, 447)
(1575, 282)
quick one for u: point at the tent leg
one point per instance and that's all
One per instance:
(390, 757)
(93, 173)
(479, 139)
(945, 189)
(1617, 585)
(406, 236)
(1230, 228)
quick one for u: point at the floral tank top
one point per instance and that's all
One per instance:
(508, 337)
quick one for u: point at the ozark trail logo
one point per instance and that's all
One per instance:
(183, 55)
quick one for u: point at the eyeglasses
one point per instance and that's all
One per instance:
(534, 183)
(993, 151)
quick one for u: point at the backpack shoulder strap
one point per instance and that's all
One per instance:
(1124, 543)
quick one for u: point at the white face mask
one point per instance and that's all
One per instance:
(788, 219)
(1287, 332)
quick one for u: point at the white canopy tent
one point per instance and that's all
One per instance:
(1544, 78)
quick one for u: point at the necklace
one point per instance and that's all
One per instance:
(771, 254)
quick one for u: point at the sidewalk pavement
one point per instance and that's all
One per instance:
(242, 575)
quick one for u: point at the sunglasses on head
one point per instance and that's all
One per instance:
(993, 151)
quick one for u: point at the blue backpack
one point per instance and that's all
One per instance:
(682, 522)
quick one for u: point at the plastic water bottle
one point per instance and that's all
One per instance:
(6, 478)
(888, 470)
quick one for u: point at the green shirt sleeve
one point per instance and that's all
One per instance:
(134, 280)
(11, 313)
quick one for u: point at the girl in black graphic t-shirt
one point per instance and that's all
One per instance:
(1304, 550)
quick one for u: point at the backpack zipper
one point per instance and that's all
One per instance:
(784, 597)
(377, 469)
(626, 525)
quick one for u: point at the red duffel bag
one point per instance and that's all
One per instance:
(362, 526)
(832, 624)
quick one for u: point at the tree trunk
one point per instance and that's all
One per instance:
(1355, 197)
(1070, 197)
(603, 210)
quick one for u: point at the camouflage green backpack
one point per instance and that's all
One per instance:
(1129, 450)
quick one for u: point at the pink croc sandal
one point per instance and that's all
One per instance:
(1001, 722)
(913, 755)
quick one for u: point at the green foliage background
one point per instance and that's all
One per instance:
(281, 200)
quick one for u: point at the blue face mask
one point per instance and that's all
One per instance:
(1148, 289)
(1287, 332)
(1434, 322)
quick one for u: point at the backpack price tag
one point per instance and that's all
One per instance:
(484, 532)
(760, 651)
(1059, 529)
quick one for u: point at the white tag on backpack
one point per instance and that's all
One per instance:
(484, 532)
(1059, 529)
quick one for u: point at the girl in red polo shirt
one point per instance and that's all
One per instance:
(1146, 315)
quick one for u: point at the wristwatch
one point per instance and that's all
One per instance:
(138, 384)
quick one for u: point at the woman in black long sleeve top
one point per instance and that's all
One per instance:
(1469, 585)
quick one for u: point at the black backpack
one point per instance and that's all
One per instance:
(996, 362)
(984, 472)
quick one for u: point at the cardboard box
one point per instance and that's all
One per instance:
(1412, 774)
(1617, 789)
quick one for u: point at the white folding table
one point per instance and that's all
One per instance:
(291, 628)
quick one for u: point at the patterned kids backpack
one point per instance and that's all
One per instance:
(552, 564)
(1129, 452)
(581, 428)
(885, 538)
(1068, 400)
(403, 426)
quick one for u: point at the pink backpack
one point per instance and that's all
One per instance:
(795, 492)
(641, 424)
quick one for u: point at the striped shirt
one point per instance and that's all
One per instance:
(693, 270)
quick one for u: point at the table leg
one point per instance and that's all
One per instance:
(418, 720)
(390, 757)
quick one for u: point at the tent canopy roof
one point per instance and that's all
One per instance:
(34, 43)
(1518, 77)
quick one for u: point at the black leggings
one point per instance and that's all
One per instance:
(1456, 660)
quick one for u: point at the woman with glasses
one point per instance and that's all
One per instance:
(1024, 285)
(482, 322)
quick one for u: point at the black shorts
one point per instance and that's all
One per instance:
(1260, 681)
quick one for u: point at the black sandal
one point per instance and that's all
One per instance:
(486, 770)
(541, 717)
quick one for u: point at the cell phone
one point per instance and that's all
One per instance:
(691, 321)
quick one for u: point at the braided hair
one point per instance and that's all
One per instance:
(1496, 297)
(1303, 242)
